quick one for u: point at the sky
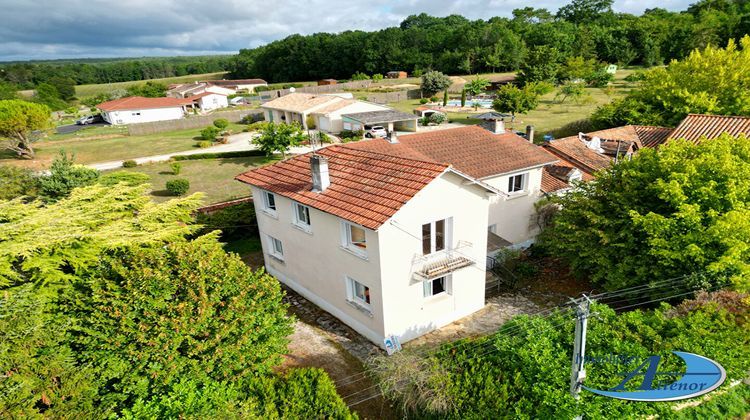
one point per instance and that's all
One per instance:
(50, 29)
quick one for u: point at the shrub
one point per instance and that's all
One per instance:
(248, 119)
(424, 121)
(434, 99)
(176, 168)
(348, 135)
(178, 187)
(360, 76)
(377, 77)
(424, 101)
(310, 120)
(16, 182)
(129, 178)
(599, 78)
(234, 222)
(221, 123)
(204, 143)
(64, 176)
(259, 125)
(130, 163)
(437, 118)
(209, 133)
(434, 82)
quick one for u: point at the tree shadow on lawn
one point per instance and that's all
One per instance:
(162, 193)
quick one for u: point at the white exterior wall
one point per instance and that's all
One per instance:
(215, 101)
(219, 89)
(316, 266)
(332, 121)
(132, 116)
(514, 215)
(408, 314)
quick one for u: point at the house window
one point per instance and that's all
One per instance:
(358, 293)
(302, 216)
(354, 238)
(517, 183)
(276, 248)
(434, 236)
(269, 202)
(435, 287)
(135, 113)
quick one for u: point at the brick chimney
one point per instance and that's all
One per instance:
(530, 133)
(319, 169)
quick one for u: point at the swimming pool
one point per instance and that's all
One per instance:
(482, 103)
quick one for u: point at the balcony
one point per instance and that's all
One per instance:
(442, 262)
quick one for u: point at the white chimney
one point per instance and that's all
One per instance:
(392, 137)
(494, 126)
(319, 169)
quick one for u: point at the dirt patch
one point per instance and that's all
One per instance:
(254, 260)
(554, 283)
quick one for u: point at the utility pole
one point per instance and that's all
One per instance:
(578, 373)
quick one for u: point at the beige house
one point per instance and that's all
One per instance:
(392, 246)
(326, 110)
(391, 235)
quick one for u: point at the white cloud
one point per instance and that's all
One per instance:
(107, 28)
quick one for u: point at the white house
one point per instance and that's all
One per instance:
(189, 89)
(503, 160)
(389, 245)
(326, 110)
(239, 85)
(137, 109)
(208, 101)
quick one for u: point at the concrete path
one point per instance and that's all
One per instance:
(237, 142)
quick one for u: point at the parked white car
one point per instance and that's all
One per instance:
(376, 131)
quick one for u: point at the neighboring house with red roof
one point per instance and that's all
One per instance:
(390, 245)
(505, 161)
(137, 109)
(696, 127)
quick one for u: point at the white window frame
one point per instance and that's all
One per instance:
(299, 222)
(428, 287)
(274, 250)
(267, 203)
(524, 183)
(346, 239)
(351, 291)
(447, 235)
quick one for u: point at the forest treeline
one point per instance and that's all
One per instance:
(456, 45)
(28, 75)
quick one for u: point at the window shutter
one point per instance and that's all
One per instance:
(427, 288)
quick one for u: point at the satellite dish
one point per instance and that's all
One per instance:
(292, 89)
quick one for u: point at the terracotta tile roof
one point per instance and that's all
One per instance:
(573, 150)
(299, 102)
(642, 135)
(694, 127)
(366, 188)
(555, 176)
(472, 150)
(139, 102)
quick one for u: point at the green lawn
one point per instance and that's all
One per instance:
(214, 177)
(550, 117)
(83, 91)
(103, 144)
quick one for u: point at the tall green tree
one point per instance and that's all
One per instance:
(20, 124)
(476, 85)
(279, 138)
(65, 86)
(149, 316)
(64, 175)
(541, 65)
(433, 82)
(8, 91)
(514, 100)
(683, 209)
(712, 81)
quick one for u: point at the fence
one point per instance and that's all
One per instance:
(386, 97)
(340, 87)
(191, 122)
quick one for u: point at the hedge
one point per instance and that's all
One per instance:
(219, 155)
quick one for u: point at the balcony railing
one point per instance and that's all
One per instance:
(443, 262)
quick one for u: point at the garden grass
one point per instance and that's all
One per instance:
(214, 177)
(103, 144)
